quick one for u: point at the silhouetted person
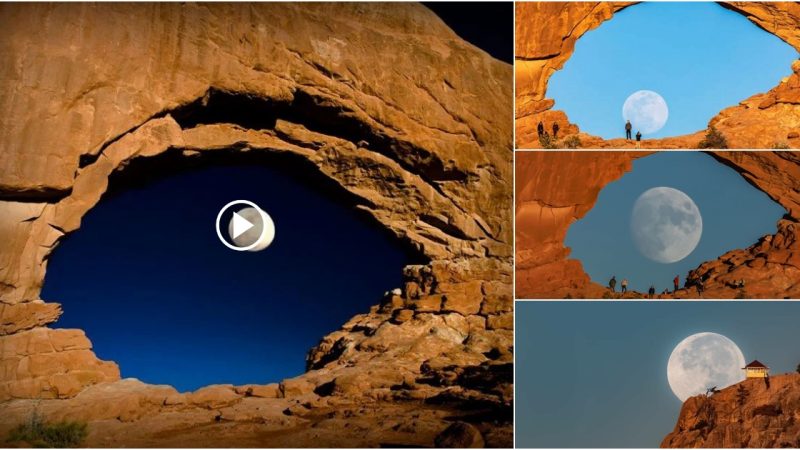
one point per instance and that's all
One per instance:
(677, 282)
(651, 292)
(540, 128)
(624, 285)
(612, 283)
(555, 130)
(628, 128)
(638, 136)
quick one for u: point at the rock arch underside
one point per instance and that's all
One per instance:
(384, 99)
(556, 188)
(546, 33)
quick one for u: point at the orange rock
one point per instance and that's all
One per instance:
(24, 316)
(215, 396)
(748, 414)
(271, 390)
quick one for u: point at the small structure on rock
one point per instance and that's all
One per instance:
(756, 370)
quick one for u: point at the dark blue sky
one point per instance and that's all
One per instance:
(699, 56)
(594, 374)
(486, 25)
(147, 279)
(734, 213)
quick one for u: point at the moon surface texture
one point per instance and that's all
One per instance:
(647, 111)
(702, 361)
(263, 229)
(666, 224)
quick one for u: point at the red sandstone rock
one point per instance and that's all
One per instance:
(747, 414)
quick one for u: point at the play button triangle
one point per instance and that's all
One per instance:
(240, 225)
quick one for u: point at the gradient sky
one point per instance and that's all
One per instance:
(699, 56)
(735, 215)
(594, 374)
(147, 279)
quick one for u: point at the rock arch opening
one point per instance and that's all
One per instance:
(172, 305)
(732, 214)
(699, 57)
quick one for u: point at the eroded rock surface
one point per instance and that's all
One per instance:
(750, 414)
(384, 99)
(555, 189)
(546, 33)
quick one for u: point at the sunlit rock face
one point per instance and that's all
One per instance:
(554, 189)
(750, 414)
(546, 33)
(383, 99)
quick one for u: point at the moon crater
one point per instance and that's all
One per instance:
(666, 225)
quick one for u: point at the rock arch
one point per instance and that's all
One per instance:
(554, 189)
(546, 34)
(383, 99)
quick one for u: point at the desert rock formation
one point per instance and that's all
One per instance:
(555, 189)
(750, 414)
(546, 33)
(384, 99)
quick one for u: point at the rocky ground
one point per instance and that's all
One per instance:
(750, 414)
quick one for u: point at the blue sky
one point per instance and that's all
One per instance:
(734, 214)
(699, 56)
(147, 279)
(594, 374)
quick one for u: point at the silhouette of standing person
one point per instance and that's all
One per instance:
(651, 292)
(612, 283)
(628, 128)
(555, 130)
(540, 128)
(624, 285)
(638, 139)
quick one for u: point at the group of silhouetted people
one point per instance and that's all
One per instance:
(540, 129)
(612, 283)
(628, 129)
(676, 283)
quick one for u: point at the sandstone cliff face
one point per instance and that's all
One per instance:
(546, 33)
(555, 189)
(747, 414)
(383, 99)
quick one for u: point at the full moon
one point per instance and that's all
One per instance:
(646, 110)
(702, 361)
(665, 224)
(263, 229)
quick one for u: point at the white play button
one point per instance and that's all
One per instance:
(240, 225)
(249, 228)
